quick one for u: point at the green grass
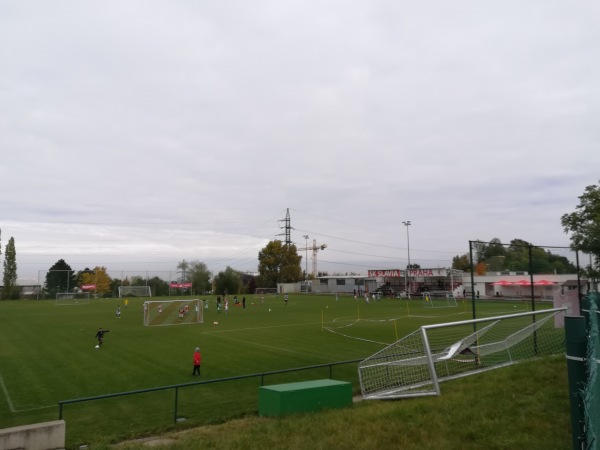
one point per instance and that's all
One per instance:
(47, 354)
(525, 406)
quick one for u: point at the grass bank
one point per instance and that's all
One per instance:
(524, 406)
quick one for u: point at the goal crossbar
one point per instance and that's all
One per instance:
(173, 312)
(417, 363)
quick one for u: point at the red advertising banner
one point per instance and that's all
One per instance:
(88, 287)
(394, 273)
(180, 285)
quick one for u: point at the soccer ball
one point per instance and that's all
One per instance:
(97, 346)
(269, 309)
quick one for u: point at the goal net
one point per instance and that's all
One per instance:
(135, 291)
(417, 363)
(265, 291)
(72, 298)
(173, 312)
(439, 300)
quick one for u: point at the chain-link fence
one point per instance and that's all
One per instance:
(528, 274)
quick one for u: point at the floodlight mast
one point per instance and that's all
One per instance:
(407, 224)
(306, 256)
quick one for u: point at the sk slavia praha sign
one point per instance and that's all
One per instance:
(397, 273)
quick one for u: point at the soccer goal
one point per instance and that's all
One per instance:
(173, 312)
(72, 298)
(416, 364)
(265, 291)
(439, 300)
(135, 291)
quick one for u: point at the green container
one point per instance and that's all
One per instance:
(305, 396)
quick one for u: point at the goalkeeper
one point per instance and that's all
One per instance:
(100, 336)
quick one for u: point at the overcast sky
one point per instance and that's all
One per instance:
(136, 134)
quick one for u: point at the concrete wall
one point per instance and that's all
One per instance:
(39, 436)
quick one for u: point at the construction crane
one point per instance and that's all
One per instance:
(314, 248)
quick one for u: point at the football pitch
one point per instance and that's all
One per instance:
(48, 354)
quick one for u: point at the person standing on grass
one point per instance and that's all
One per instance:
(100, 336)
(118, 312)
(197, 362)
(285, 297)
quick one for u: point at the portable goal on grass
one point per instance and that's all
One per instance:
(135, 291)
(439, 300)
(265, 291)
(173, 312)
(72, 298)
(416, 364)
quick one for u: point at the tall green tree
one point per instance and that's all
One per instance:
(200, 277)
(158, 286)
(279, 263)
(10, 289)
(228, 282)
(584, 223)
(60, 278)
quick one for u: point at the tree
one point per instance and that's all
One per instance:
(279, 263)
(494, 248)
(480, 268)
(584, 223)
(200, 277)
(158, 286)
(60, 278)
(461, 263)
(96, 276)
(10, 289)
(229, 281)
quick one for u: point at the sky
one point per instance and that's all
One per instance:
(135, 135)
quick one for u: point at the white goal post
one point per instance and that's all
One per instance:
(416, 364)
(72, 298)
(439, 299)
(265, 291)
(173, 312)
(135, 291)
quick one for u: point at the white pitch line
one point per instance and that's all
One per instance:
(270, 347)
(10, 403)
(260, 328)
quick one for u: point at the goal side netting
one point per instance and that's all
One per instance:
(417, 363)
(72, 298)
(173, 312)
(135, 291)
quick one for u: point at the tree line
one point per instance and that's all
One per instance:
(281, 263)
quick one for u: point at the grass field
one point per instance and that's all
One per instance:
(47, 355)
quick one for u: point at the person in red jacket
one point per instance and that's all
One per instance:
(197, 362)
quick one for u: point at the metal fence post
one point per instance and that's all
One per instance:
(576, 336)
(176, 401)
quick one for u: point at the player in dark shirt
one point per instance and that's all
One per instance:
(100, 336)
